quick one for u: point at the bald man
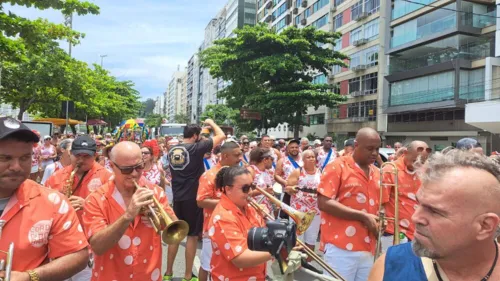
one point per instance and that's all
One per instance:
(456, 224)
(122, 238)
(414, 156)
(348, 198)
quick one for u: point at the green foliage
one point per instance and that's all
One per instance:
(221, 114)
(312, 136)
(147, 107)
(273, 72)
(182, 118)
(153, 120)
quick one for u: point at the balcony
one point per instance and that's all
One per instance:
(360, 16)
(360, 67)
(360, 42)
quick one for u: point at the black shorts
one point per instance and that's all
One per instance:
(189, 211)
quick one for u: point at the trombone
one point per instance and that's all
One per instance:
(6, 264)
(172, 232)
(303, 220)
(381, 212)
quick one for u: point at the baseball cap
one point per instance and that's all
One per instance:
(293, 141)
(47, 137)
(349, 142)
(317, 141)
(468, 143)
(10, 126)
(84, 145)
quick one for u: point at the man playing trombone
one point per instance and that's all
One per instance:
(416, 153)
(126, 244)
(38, 221)
(348, 200)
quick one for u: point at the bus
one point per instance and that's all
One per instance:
(172, 129)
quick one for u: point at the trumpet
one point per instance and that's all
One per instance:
(6, 264)
(172, 232)
(301, 219)
(381, 212)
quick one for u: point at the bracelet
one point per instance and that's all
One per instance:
(33, 275)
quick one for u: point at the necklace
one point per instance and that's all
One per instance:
(485, 278)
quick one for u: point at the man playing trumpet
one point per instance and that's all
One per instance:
(123, 239)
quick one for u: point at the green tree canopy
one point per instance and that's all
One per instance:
(221, 114)
(273, 72)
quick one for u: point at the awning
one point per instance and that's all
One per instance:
(96, 122)
(60, 121)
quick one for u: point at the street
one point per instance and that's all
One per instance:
(180, 264)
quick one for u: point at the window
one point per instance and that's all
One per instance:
(356, 34)
(372, 6)
(320, 22)
(298, 3)
(297, 20)
(426, 89)
(280, 24)
(370, 83)
(356, 10)
(336, 69)
(307, 13)
(354, 85)
(316, 119)
(338, 2)
(355, 59)
(363, 111)
(320, 4)
(371, 29)
(335, 112)
(280, 11)
(337, 21)
(338, 45)
(319, 79)
(371, 56)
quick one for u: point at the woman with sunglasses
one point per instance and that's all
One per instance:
(414, 156)
(262, 173)
(228, 228)
(152, 171)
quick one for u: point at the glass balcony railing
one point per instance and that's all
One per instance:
(473, 93)
(480, 21)
(427, 96)
(425, 30)
(402, 8)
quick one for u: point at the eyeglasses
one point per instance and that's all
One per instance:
(246, 187)
(145, 153)
(246, 143)
(421, 149)
(128, 170)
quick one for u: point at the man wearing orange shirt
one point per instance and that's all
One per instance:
(38, 221)
(207, 198)
(88, 177)
(417, 153)
(122, 238)
(348, 201)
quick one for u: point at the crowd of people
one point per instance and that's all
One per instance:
(74, 206)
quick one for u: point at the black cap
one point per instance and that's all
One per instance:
(10, 126)
(85, 145)
(293, 141)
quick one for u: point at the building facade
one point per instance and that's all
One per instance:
(160, 105)
(8, 110)
(174, 96)
(443, 72)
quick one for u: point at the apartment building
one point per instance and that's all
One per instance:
(160, 105)
(442, 81)
(9, 110)
(175, 95)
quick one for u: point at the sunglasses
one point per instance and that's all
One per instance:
(146, 153)
(128, 170)
(246, 143)
(421, 149)
(246, 188)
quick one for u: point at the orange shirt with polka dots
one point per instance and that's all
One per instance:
(137, 256)
(343, 180)
(206, 190)
(228, 230)
(41, 224)
(408, 183)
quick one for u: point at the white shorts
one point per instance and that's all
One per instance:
(353, 266)
(311, 235)
(46, 163)
(387, 242)
(206, 254)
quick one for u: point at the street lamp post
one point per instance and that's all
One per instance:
(68, 21)
(102, 59)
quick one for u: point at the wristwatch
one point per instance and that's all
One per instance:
(33, 275)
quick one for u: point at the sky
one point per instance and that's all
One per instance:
(145, 40)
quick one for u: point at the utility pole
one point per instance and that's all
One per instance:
(102, 58)
(68, 21)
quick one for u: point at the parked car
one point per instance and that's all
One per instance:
(385, 153)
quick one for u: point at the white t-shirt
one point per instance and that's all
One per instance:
(49, 170)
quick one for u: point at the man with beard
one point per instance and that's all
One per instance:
(415, 154)
(456, 224)
(326, 154)
(268, 142)
(38, 221)
(285, 167)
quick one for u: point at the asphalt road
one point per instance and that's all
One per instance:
(179, 265)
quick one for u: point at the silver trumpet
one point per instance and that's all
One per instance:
(6, 264)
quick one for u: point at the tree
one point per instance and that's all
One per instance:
(221, 114)
(148, 107)
(182, 118)
(273, 72)
(153, 120)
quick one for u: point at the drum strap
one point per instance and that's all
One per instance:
(429, 270)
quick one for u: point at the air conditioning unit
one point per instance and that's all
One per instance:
(304, 4)
(360, 42)
(358, 119)
(360, 67)
(331, 76)
(361, 16)
(288, 19)
(356, 94)
(268, 18)
(295, 10)
(333, 9)
(303, 21)
(269, 4)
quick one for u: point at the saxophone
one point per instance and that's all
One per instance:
(68, 187)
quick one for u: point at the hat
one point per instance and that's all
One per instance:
(9, 126)
(47, 138)
(293, 141)
(468, 143)
(85, 145)
(349, 142)
(317, 142)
